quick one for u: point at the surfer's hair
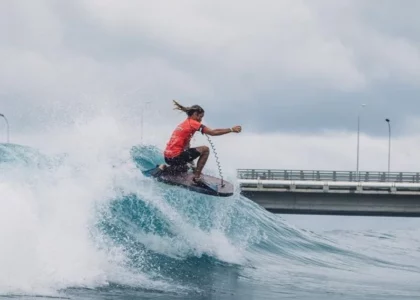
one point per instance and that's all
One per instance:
(189, 110)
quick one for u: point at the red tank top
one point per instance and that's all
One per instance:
(181, 137)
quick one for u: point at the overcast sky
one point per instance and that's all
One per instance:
(280, 66)
(292, 70)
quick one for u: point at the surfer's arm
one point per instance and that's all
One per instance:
(214, 132)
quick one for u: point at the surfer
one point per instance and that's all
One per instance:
(178, 153)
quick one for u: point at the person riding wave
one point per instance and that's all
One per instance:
(178, 152)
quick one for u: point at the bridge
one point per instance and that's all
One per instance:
(333, 192)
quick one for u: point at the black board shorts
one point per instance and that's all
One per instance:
(185, 157)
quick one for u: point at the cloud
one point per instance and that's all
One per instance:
(273, 66)
(238, 36)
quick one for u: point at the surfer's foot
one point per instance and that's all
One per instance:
(197, 180)
(163, 167)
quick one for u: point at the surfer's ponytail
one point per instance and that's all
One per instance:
(189, 110)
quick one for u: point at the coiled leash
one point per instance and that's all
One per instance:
(217, 161)
(216, 156)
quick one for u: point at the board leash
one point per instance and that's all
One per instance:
(217, 160)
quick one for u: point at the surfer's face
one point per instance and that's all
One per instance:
(197, 116)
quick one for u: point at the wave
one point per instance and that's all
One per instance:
(91, 223)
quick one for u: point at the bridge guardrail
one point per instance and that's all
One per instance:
(325, 175)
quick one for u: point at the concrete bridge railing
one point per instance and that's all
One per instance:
(319, 175)
(333, 192)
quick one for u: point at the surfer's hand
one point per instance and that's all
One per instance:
(237, 129)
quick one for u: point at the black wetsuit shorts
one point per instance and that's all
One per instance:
(185, 157)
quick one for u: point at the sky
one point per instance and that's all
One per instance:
(293, 73)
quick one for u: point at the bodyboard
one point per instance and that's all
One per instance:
(211, 185)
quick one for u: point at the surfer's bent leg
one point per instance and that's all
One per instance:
(204, 155)
(179, 162)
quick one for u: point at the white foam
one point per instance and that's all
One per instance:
(47, 215)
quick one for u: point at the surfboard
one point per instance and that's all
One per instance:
(211, 185)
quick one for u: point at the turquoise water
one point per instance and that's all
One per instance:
(95, 228)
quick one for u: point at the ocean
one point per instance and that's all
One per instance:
(95, 228)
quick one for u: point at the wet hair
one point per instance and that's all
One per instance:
(189, 110)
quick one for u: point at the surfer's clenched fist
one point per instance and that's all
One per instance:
(237, 129)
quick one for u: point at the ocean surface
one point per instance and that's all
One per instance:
(95, 228)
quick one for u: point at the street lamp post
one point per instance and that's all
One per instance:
(389, 145)
(358, 141)
(8, 129)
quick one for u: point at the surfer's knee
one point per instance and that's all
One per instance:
(204, 150)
